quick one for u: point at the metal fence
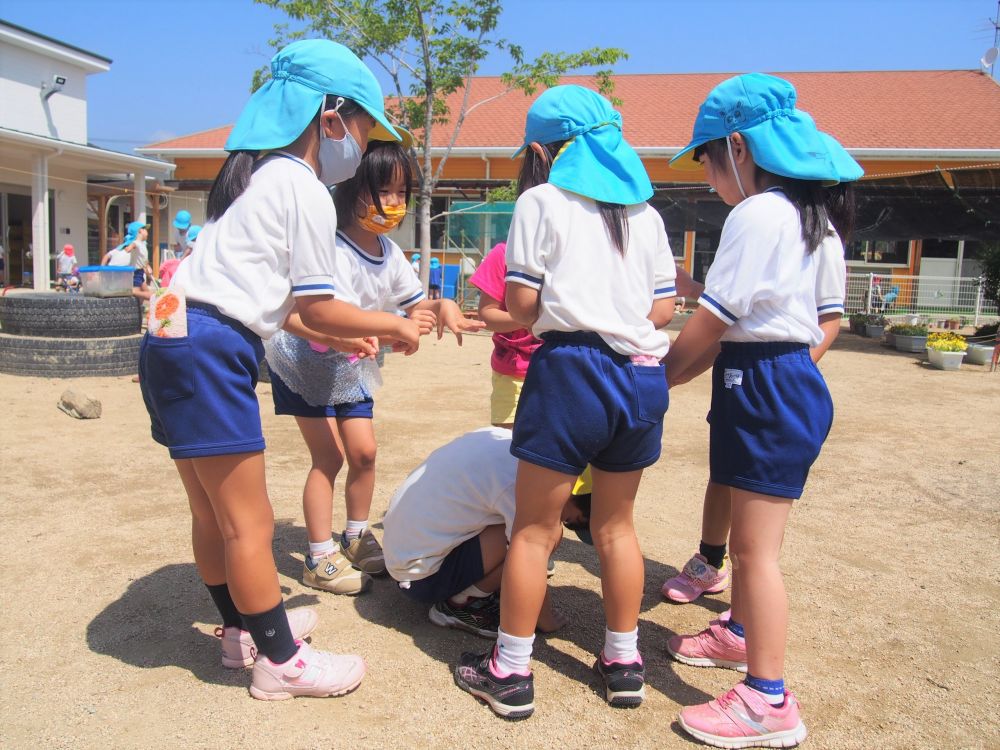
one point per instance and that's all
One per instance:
(926, 296)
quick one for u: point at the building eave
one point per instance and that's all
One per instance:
(53, 48)
(105, 161)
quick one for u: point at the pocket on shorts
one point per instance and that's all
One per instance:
(651, 395)
(168, 366)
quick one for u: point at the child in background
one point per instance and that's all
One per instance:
(435, 279)
(67, 268)
(590, 271)
(513, 344)
(377, 276)
(182, 234)
(169, 267)
(267, 249)
(771, 410)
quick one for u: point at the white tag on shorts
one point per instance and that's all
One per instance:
(732, 377)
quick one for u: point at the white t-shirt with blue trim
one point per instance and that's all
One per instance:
(763, 284)
(276, 242)
(559, 245)
(387, 283)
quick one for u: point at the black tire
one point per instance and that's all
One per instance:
(69, 315)
(69, 358)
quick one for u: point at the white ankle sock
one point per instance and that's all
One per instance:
(621, 647)
(513, 654)
(322, 549)
(355, 529)
(472, 592)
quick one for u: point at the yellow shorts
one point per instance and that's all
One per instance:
(503, 400)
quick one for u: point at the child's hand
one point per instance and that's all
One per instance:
(408, 333)
(367, 347)
(425, 320)
(451, 318)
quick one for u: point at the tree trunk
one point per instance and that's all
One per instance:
(424, 204)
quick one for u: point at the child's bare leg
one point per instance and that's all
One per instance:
(358, 436)
(617, 546)
(541, 494)
(716, 513)
(758, 531)
(493, 547)
(327, 458)
(206, 538)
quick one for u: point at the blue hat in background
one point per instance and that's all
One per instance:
(132, 231)
(182, 220)
(848, 170)
(596, 161)
(302, 74)
(416, 256)
(193, 231)
(435, 263)
(783, 139)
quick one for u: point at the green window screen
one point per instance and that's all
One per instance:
(477, 225)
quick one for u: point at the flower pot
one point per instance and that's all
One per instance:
(874, 332)
(945, 360)
(890, 339)
(910, 343)
(978, 354)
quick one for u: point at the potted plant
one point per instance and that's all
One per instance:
(909, 338)
(857, 323)
(875, 325)
(979, 354)
(946, 350)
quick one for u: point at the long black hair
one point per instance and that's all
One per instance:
(818, 206)
(535, 171)
(234, 177)
(382, 162)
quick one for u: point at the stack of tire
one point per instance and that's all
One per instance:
(53, 335)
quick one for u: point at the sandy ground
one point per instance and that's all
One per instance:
(891, 561)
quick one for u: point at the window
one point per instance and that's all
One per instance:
(439, 226)
(939, 249)
(878, 252)
(676, 240)
(705, 245)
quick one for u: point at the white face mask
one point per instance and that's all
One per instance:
(338, 160)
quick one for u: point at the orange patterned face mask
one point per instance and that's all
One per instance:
(379, 224)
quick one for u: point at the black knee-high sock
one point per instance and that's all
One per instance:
(227, 608)
(713, 553)
(271, 633)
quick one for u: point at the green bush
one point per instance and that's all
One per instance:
(990, 329)
(905, 329)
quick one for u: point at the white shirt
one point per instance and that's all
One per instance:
(65, 263)
(138, 254)
(387, 283)
(181, 240)
(460, 489)
(119, 257)
(558, 244)
(275, 242)
(763, 283)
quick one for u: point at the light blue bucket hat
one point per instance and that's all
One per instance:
(596, 161)
(182, 220)
(783, 139)
(848, 170)
(302, 74)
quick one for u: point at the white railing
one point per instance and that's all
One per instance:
(926, 296)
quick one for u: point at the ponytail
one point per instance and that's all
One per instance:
(230, 183)
(535, 171)
(841, 205)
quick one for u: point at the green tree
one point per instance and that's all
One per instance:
(431, 49)
(990, 259)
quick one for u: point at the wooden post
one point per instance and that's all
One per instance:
(102, 226)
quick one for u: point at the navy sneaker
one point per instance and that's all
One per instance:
(511, 697)
(624, 684)
(479, 616)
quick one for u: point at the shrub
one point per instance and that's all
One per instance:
(990, 329)
(905, 329)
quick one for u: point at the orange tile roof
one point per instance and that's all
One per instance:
(933, 109)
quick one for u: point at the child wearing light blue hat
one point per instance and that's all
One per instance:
(590, 272)
(773, 297)
(265, 260)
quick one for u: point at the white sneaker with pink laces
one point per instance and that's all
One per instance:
(318, 674)
(239, 650)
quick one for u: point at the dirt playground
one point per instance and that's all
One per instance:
(891, 559)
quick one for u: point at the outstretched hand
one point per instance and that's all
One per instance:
(425, 320)
(451, 317)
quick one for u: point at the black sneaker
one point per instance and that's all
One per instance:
(624, 684)
(511, 697)
(479, 616)
(551, 569)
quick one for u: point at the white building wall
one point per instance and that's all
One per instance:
(63, 115)
(70, 200)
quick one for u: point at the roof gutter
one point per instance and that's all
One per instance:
(67, 147)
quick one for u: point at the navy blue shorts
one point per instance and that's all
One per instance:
(583, 403)
(138, 277)
(771, 412)
(461, 568)
(199, 389)
(287, 401)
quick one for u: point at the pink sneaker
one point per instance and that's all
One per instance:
(318, 674)
(742, 718)
(238, 649)
(715, 646)
(697, 578)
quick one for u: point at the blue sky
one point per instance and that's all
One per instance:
(185, 65)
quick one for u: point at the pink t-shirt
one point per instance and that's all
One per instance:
(167, 270)
(511, 350)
